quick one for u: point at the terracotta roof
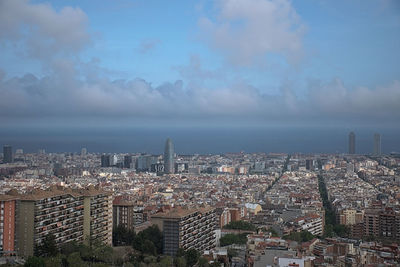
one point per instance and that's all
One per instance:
(52, 191)
(180, 212)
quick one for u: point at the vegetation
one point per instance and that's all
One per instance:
(71, 254)
(240, 225)
(230, 239)
(139, 250)
(273, 232)
(148, 241)
(302, 236)
(332, 228)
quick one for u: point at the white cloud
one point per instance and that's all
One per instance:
(246, 30)
(43, 31)
(72, 97)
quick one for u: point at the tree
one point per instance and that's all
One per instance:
(148, 247)
(75, 260)
(180, 252)
(302, 236)
(341, 230)
(48, 248)
(203, 262)
(180, 262)
(273, 232)
(192, 256)
(230, 239)
(53, 261)
(167, 261)
(35, 261)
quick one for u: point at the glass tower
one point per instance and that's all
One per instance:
(169, 157)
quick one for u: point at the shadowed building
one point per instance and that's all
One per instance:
(169, 157)
(67, 214)
(352, 143)
(105, 160)
(187, 228)
(377, 144)
(7, 154)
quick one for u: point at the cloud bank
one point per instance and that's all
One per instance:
(245, 31)
(29, 96)
(40, 32)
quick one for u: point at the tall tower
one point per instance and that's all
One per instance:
(352, 143)
(169, 157)
(377, 144)
(7, 154)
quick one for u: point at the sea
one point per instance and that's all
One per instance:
(198, 140)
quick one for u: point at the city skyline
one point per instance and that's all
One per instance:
(236, 133)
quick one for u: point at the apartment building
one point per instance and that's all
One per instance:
(312, 223)
(98, 218)
(127, 214)
(382, 223)
(187, 228)
(7, 225)
(68, 215)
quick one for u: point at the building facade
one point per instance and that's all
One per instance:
(7, 154)
(68, 215)
(187, 228)
(169, 165)
(352, 143)
(377, 145)
(7, 225)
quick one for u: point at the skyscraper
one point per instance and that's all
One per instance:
(7, 154)
(169, 157)
(377, 144)
(105, 160)
(352, 143)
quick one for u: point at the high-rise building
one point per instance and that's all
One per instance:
(128, 161)
(187, 228)
(68, 214)
(7, 154)
(169, 157)
(7, 225)
(83, 151)
(352, 143)
(105, 160)
(127, 214)
(377, 144)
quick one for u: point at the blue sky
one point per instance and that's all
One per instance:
(248, 61)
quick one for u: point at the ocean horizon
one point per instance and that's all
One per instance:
(201, 140)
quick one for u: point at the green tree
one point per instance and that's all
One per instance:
(273, 232)
(69, 247)
(48, 248)
(191, 256)
(180, 252)
(75, 260)
(167, 261)
(148, 247)
(53, 261)
(35, 261)
(230, 239)
(302, 236)
(203, 262)
(180, 262)
(341, 230)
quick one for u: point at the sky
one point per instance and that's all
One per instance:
(200, 63)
